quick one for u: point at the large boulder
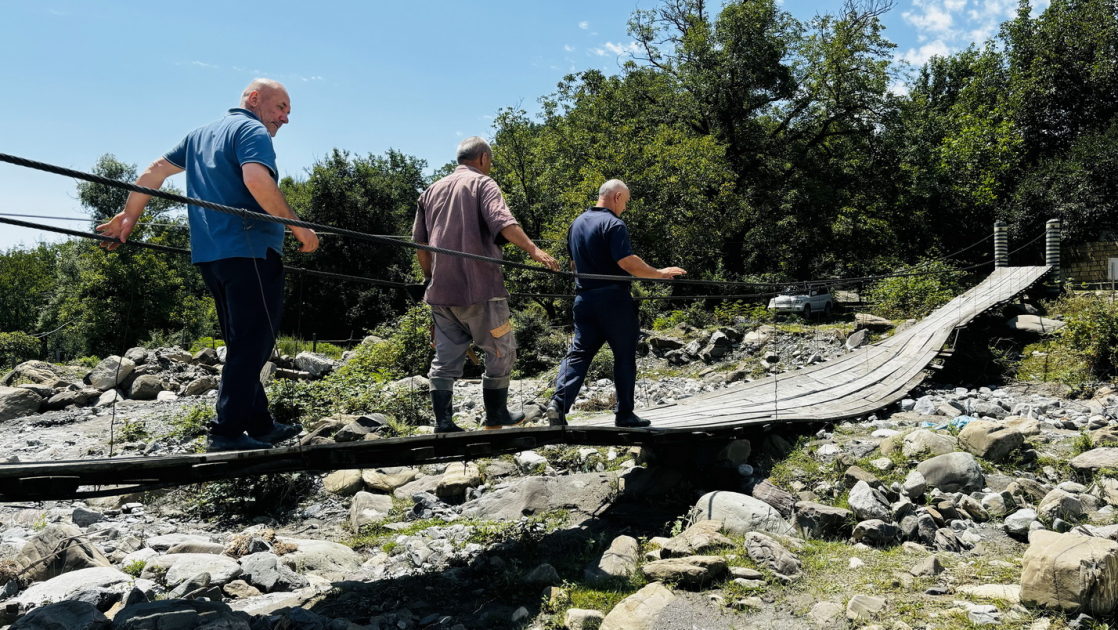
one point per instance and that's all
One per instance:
(992, 441)
(741, 514)
(584, 494)
(67, 615)
(816, 520)
(386, 480)
(871, 322)
(111, 372)
(178, 614)
(693, 571)
(321, 556)
(368, 508)
(698, 539)
(145, 387)
(316, 365)
(781, 500)
(67, 585)
(265, 571)
(769, 553)
(183, 566)
(641, 610)
(458, 477)
(59, 549)
(16, 402)
(953, 472)
(1096, 459)
(925, 443)
(1060, 504)
(1070, 573)
(1034, 324)
(343, 482)
(868, 503)
(619, 562)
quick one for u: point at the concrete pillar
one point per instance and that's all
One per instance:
(1001, 245)
(1052, 253)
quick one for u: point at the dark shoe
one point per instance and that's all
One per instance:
(242, 442)
(279, 433)
(555, 415)
(631, 422)
(442, 400)
(497, 414)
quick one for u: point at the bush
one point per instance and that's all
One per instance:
(17, 347)
(916, 296)
(694, 315)
(539, 347)
(250, 497)
(1092, 332)
(406, 350)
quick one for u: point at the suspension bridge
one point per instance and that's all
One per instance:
(868, 379)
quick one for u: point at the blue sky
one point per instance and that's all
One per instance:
(85, 78)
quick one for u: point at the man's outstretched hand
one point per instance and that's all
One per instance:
(119, 227)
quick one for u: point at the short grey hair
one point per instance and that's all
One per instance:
(611, 187)
(472, 148)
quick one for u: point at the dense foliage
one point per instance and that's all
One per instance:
(757, 147)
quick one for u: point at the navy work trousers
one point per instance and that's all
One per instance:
(602, 316)
(248, 293)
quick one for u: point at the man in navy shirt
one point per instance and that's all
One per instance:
(604, 311)
(231, 161)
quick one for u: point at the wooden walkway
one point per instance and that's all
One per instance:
(859, 383)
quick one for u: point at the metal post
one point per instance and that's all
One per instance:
(314, 342)
(1001, 245)
(1052, 254)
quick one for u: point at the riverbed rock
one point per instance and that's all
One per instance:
(583, 494)
(1070, 573)
(689, 572)
(111, 372)
(767, 552)
(641, 610)
(1096, 459)
(266, 572)
(992, 441)
(386, 480)
(58, 549)
(619, 562)
(64, 586)
(698, 539)
(924, 443)
(816, 520)
(368, 508)
(953, 472)
(16, 402)
(66, 615)
(741, 514)
(177, 614)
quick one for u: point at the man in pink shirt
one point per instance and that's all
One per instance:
(465, 211)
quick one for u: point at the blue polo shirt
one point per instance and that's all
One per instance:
(597, 240)
(212, 157)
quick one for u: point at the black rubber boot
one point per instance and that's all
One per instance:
(442, 401)
(555, 415)
(497, 414)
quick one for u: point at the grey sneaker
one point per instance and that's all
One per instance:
(555, 415)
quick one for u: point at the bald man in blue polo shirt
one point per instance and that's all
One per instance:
(604, 311)
(231, 162)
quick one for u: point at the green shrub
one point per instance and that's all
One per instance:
(694, 315)
(406, 349)
(726, 312)
(916, 296)
(249, 497)
(292, 347)
(132, 431)
(194, 422)
(202, 343)
(602, 365)
(135, 568)
(1092, 332)
(17, 347)
(539, 347)
(86, 362)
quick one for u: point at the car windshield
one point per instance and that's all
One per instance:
(793, 291)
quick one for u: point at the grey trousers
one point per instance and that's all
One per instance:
(486, 324)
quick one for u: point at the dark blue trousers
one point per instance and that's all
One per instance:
(602, 316)
(248, 293)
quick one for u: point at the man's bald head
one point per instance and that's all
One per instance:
(614, 195)
(267, 99)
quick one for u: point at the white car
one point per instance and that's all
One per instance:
(815, 299)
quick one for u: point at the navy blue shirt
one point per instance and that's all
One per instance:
(597, 240)
(212, 157)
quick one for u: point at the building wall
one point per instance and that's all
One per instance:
(1087, 262)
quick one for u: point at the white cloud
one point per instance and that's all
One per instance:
(920, 56)
(956, 24)
(601, 52)
(204, 65)
(584, 25)
(621, 49)
(568, 48)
